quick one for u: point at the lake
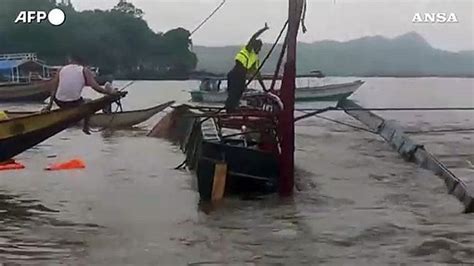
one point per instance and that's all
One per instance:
(356, 201)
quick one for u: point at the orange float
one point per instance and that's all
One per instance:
(11, 165)
(69, 165)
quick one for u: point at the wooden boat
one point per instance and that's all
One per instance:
(22, 133)
(331, 92)
(250, 150)
(27, 78)
(123, 119)
(126, 118)
(25, 92)
(251, 159)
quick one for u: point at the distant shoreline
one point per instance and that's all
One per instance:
(348, 76)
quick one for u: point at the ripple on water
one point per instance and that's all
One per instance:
(30, 232)
(444, 250)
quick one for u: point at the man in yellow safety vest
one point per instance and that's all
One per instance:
(246, 63)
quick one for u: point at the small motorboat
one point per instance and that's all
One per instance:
(210, 92)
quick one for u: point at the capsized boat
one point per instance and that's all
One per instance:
(210, 92)
(36, 91)
(248, 150)
(22, 133)
(210, 139)
(122, 119)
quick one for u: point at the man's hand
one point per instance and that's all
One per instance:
(266, 27)
(120, 93)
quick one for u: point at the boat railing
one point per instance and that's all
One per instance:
(19, 56)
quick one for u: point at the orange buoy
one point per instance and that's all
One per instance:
(11, 165)
(69, 165)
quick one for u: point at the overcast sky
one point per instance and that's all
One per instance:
(343, 20)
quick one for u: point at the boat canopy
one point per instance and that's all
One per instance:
(22, 67)
(6, 66)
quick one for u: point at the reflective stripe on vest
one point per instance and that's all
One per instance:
(247, 59)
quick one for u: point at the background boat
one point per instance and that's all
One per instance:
(331, 92)
(25, 92)
(25, 78)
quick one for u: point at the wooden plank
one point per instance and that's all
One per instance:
(394, 134)
(218, 185)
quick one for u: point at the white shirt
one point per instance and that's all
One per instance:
(71, 83)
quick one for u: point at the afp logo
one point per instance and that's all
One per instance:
(56, 17)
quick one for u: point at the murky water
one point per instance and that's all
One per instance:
(356, 202)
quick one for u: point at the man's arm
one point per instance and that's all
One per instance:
(53, 84)
(90, 81)
(256, 35)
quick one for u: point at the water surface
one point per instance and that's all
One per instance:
(356, 201)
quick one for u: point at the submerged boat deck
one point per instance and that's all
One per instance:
(412, 151)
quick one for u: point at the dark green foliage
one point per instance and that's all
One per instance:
(118, 41)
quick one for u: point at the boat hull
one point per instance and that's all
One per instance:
(249, 170)
(20, 134)
(333, 92)
(125, 119)
(33, 92)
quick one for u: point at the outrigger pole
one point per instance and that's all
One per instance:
(286, 126)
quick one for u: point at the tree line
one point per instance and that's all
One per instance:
(118, 40)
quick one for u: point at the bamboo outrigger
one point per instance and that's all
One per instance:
(412, 151)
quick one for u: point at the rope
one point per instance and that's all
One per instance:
(209, 17)
(268, 54)
(318, 111)
(439, 130)
(113, 114)
(278, 66)
(346, 124)
(303, 17)
(316, 114)
(395, 109)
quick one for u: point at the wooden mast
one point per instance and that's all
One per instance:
(287, 94)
